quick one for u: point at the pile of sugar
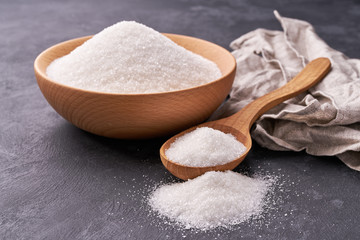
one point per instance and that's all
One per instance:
(130, 57)
(205, 147)
(215, 199)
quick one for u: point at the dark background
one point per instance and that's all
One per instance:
(59, 182)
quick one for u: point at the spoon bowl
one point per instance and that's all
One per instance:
(189, 172)
(240, 123)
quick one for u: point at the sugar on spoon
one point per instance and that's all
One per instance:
(239, 124)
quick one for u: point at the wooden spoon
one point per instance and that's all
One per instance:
(240, 123)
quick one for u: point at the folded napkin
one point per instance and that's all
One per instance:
(325, 120)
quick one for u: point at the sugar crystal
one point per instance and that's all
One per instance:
(129, 57)
(215, 199)
(205, 147)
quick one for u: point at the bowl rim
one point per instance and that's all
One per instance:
(44, 76)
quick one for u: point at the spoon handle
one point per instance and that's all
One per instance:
(308, 77)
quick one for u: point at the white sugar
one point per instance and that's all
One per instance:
(215, 199)
(129, 57)
(205, 147)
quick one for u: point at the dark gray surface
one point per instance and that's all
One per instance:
(59, 182)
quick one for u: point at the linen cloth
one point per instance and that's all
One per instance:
(325, 120)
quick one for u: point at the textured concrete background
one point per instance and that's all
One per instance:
(59, 182)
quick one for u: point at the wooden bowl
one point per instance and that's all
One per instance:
(133, 116)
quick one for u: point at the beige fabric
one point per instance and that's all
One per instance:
(324, 120)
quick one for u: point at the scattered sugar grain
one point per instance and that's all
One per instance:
(205, 147)
(129, 57)
(215, 199)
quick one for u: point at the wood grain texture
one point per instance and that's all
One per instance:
(240, 123)
(132, 116)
